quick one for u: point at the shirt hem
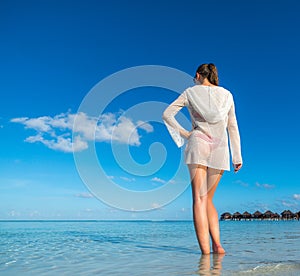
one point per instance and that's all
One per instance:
(204, 164)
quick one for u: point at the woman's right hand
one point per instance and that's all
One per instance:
(237, 167)
(189, 134)
(185, 134)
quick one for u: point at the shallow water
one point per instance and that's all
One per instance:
(146, 248)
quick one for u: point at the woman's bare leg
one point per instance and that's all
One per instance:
(213, 178)
(198, 175)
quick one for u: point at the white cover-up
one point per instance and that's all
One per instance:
(212, 114)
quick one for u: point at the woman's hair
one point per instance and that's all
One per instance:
(209, 71)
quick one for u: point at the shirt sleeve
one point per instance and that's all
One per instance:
(176, 131)
(234, 137)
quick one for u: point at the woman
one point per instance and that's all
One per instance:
(212, 112)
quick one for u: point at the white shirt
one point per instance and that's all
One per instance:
(212, 114)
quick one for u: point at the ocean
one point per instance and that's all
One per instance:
(146, 248)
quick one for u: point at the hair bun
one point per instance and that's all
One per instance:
(211, 66)
(209, 71)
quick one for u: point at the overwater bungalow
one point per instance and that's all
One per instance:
(268, 215)
(237, 216)
(246, 216)
(226, 216)
(257, 215)
(276, 216)
(287, 215)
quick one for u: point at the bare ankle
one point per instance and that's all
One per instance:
(217, 248)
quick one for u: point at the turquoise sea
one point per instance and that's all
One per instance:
(146, 248)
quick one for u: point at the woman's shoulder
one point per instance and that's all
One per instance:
(201, 87)
(225, 90)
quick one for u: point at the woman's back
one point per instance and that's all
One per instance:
(209, 104)
(212, 111)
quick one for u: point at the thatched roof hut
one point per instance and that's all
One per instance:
(237, 216)
(246, 215)
(276, 216)
(226, 216)
(287, 214)
(257, 215)
(268, 215)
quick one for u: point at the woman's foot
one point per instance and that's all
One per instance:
(218, 249)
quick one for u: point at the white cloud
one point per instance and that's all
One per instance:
(15, 183)
(157, 179)
(289, 204)
(14, 213)
(265, 186)
(145, 126)
(1, 125)
(85, 125)
(296, 196)
(127, 179)
(84, 195)
(256, 205)
(39, 124)
(124, 131)
(60, 143)
(56, 132)
(34, 213)
(156, 205)
(242, 183)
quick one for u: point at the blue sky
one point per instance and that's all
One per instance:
(54, 52)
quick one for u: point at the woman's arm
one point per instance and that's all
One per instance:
(174, 128)
(234, 139)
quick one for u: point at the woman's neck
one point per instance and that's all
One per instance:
(206, 83)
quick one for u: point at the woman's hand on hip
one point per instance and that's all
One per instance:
(188, 134)
(185, 134)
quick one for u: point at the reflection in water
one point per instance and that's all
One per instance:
(205, 267)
